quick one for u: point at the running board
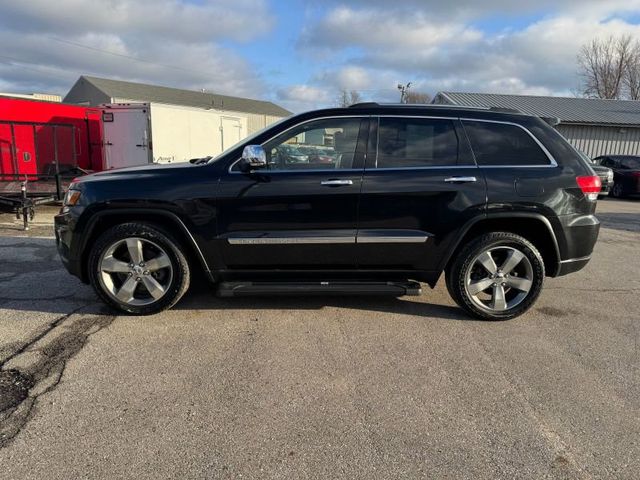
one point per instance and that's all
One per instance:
(396, 289)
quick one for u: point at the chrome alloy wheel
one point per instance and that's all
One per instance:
(499, 279)
(135, 271)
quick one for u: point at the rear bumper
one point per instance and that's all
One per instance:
(572, 265)
(579, 236)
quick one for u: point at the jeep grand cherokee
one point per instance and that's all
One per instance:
(497, 201)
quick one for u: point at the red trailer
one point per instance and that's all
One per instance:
(45, 144)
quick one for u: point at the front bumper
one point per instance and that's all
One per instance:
(67, 241)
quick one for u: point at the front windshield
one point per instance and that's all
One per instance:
(247, 140)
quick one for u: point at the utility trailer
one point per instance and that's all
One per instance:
(43, 145)
(144, 133)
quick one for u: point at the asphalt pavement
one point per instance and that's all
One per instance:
(323, 387)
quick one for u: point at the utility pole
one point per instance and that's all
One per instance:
(403, 91)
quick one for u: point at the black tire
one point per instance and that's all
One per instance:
(617, 191)
(465, 260)
(176, 285)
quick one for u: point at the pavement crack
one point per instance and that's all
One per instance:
(21, 387)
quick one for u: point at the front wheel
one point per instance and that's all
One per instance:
(139, 269)
(497, 276)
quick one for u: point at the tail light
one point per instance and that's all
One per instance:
(590, 186)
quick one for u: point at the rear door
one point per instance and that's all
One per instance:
(420, 185)
(126, 137)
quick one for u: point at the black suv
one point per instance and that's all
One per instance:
(496, 201)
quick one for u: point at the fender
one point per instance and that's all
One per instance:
(149, 211)
(502, 215)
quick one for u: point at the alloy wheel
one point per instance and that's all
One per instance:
(499, 279)
(135, 271)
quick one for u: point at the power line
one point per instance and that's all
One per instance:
(122, 55)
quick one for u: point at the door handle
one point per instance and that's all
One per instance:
(336, 183)
(460, 179)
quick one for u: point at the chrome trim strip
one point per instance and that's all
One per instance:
(290, 240)
(579, 259)
(535, 139)
(398, 239)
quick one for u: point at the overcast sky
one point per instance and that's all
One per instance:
(300, 54)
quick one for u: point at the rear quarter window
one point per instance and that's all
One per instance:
(503, 144)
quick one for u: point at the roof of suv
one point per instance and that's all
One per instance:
(373, 108)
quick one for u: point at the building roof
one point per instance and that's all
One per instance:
(175, 96)
(568, 110)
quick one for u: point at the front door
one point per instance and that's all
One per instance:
(419, 188)
(300, 212)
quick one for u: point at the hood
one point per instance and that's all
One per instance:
(153, 169)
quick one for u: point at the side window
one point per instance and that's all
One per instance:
(326, 144)
(416, 142)
(503, 144)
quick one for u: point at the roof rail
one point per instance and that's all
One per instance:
(364, 105)
(504, 110)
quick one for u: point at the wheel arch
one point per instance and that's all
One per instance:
(534, 227)
(100, 222)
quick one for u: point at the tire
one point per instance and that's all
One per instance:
(138, 268)
(617, 191)
(508, 293)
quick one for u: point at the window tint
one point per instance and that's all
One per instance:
(416, 142)
(502, 144)
(326, 144)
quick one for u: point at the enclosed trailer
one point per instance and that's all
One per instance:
(143, 133)
(40, 139)
(42, 146)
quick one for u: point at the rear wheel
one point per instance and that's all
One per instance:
(496, 276)
(139, 269)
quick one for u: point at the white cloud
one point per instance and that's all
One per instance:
(413, 43)
(46, 45)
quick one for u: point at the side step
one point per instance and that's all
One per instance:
(396, 289)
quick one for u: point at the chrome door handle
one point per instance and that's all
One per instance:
(460, 179)
(336, 183)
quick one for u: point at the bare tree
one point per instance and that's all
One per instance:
(347, 98)
(632, 73)
(603, 65)
(416, 97)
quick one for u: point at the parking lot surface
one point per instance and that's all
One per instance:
(322, 387)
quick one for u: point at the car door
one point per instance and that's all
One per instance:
(300, 212)
(419, 187)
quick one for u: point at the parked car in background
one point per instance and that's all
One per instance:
(626, 173)
(494, 201)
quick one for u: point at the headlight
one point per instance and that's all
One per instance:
(72, 198)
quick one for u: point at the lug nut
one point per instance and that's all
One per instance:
(130, 274)
(142, 264)
(131, 265)
(138, 279)
(146, 272)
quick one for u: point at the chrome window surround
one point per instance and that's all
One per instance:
(552, 162)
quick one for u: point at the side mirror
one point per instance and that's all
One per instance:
(253, 158)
